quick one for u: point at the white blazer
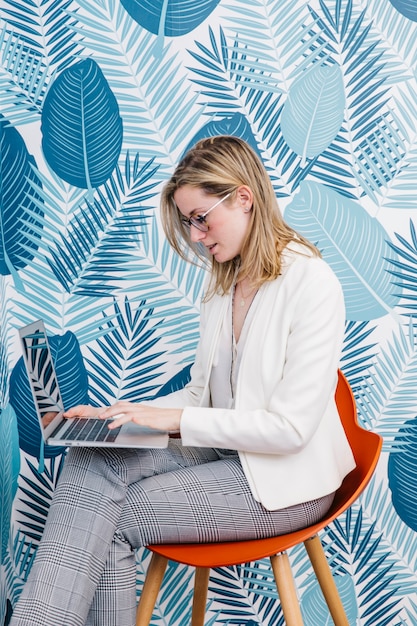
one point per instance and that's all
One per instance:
(285, 423)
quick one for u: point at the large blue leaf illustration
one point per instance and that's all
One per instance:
(20, 213)
(352, 242)
(81, 126)
(314, 110)
(9, 472)
(235, 124)
(408, 8)
(402, 474)
(315, 610)
(171, 18)
(73, 382)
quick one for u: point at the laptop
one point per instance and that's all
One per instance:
(59, 431)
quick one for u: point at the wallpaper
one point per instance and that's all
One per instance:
(98, 101)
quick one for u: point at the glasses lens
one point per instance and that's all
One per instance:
(199, 223)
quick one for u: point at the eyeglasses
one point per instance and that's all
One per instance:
(199, 221)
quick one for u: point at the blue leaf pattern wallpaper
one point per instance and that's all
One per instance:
(98, 101)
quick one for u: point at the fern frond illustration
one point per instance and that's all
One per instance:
(107, 228)
(125, 363)
(45, 29)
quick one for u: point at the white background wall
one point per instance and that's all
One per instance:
(326, 91)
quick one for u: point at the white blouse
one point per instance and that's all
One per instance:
(227, 358)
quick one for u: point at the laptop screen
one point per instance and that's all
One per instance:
(41, 372)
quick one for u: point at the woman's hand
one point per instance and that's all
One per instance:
(150, 416)
(83, 410)
(123, 412)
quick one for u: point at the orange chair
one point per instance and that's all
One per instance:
(366, 448)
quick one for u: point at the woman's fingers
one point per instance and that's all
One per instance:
(143, 415)
(83, 410)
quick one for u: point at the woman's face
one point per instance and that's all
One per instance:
(227, 223)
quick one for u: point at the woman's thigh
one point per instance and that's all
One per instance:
(209, 502)
(130, 465)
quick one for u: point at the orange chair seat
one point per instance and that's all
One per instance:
(366, 447)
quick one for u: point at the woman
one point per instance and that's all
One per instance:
(262, 449)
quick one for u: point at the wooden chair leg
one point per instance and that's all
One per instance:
(150, 590)
(324, 576)
(201, 582)
(286, 589)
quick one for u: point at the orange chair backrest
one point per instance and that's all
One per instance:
(366, 445)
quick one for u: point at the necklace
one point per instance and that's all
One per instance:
(243, 298)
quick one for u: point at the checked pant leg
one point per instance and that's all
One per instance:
(79, 531)
(114, 602)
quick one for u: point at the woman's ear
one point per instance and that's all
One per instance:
(245, 197)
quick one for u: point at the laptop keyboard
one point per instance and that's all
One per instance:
(91, 430)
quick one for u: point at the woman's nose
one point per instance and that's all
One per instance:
(196, 234)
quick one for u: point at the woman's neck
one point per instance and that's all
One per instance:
(243, 296)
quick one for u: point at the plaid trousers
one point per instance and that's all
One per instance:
(110, 501)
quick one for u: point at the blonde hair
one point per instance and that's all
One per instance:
(220, 165)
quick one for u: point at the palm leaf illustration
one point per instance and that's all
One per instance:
(107, 228)
(333, 222)
(45, 29)
(170, 18)
(375, 142)
(17, 564)
(72, 377)
(126, 362)
(35, 496)
(356, 549)
(81, 126)
(386, 399)
(235, 82)
(373, 138)
(172, 287)
(356, 357)
(23, 80)
(54, 305)
(151, 88)
(243, 593)
(229, 76)
(173, 605)
(367, 89)
(262, 45)
(176, 382)
(404, 270)
(48, 298)
(400, 32)
(313, 112)
(242, 96)
(20, 210)
(402, 539)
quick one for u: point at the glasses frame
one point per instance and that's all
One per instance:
(199, 221)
